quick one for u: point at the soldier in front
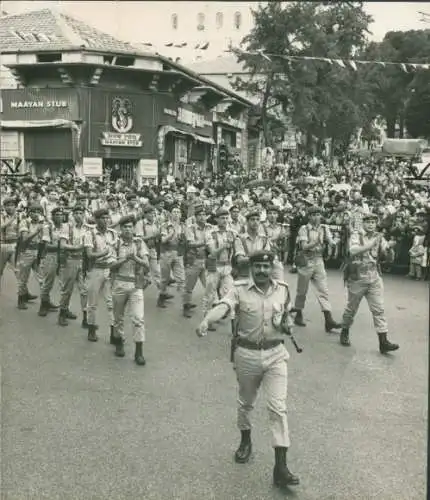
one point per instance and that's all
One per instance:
(128, 281)
(262, 305)
(363, 279)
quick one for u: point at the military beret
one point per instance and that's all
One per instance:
(234, 207)
(272, 208)
(222, 211)
(10, 200)
(314, 210)
(199, 210)
(253, 213)
(35, 207)
(126, 219)
(261, 257)
(370, 216)
(57, 210)
(78, 208)
(148, 209)
(101, 212)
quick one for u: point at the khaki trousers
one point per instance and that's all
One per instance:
(154, 267)
(7, 254)
(171, 262)
(25, 264)
(314, 272)
(221, 280)
(267, 367)
(98, 280)
(193, 273)
(373, 291)
(48, 271)
(123, 293)
(70, 274)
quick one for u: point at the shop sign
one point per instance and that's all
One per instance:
(92, 167)
(122, 122)
(188, 117)
(38, 104)
(126, 140)
(229, 121)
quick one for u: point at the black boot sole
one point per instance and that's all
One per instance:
(281, 484)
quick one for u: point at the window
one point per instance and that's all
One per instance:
(219, 19)
(200, 21)
(175, 21)
(237, 20)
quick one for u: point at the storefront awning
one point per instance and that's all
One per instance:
(20, 124)
(201, 138)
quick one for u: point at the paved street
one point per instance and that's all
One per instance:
(78, 423)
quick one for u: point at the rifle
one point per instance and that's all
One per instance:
(18, 249)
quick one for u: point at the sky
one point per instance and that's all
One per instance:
(146, 21)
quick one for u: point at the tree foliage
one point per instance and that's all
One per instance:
(321, 98)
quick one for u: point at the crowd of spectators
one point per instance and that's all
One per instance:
(345, 190)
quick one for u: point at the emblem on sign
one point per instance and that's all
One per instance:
(122, 119)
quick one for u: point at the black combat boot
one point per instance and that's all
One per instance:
(329, 323)
(298, 320)
(161, 302)
(385, 345)
(44, 307)
(243, 453)
(112, 339)
(186, 311)
(62, 318)
(119, 348)
(344, 337)
(70, 315)
(138, 355)
(282, 477)
(92, 335)
(84, 323)
(22, 302)
(28, 297)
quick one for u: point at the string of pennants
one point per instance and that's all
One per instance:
(343, 63)
(199, 46)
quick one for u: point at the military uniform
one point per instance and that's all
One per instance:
(127, 288)
(49, 262)
(219, 278)
(30, 234)
(98, 276)
(261, 359)
(311, 269)
(9, 233)
(278, 243)
(363, 279)
(150, 233)
(171, 259)
(195, 260)
(71, 271)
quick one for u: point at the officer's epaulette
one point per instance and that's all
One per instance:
(282, 283)
(241, 282)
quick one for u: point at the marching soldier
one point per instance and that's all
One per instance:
(99, 243)
(150, 233)
(195, 257)
(48, 257)
(128, 282)
(172, 252)
(262, 305)
(363, 279)
(9, 233)
(30, 235)
(71, 257)
(278, 240)
(310, 267)
(222, 246)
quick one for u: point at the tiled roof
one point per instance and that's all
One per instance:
(47, 29)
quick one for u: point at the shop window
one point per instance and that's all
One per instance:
(200, 21)
(219, 19)
(237, 20)
(175, 21)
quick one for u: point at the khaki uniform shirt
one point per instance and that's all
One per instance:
(74, 236)
(11, 233)
(26, 226)
(367, 261)
(97, 242)
(218, 238)
(257, 311)
(248, 244)
(129, 269)
(310, 234)
(200, 235)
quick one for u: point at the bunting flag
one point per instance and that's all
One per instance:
(343, 63)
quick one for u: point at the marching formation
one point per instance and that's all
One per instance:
(118, 251)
